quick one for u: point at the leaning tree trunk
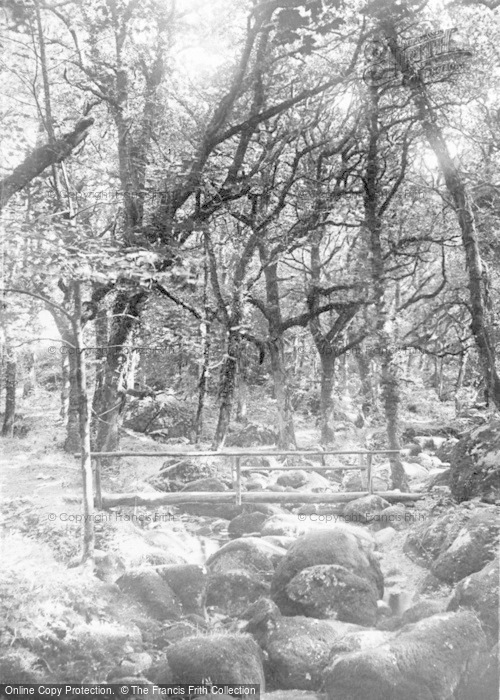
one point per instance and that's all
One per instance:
(72, 441)
(10, 393)
(478, 278)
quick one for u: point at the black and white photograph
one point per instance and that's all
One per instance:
(250, 349)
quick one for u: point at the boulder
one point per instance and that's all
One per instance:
(339, 545)
(246, 524)
(332, 591)
(293, 479)
(357, 641)
(354, 480)
(415, 472)
(282, 526)
(175, 473)
(231, 592)
(224, 658)
(250, 554)
(365, 509)
(424, 661)
(475, 464)
(480, 592)
(279, 540)
(257, 482)
(297, 648)
(206, 484)
(427, 541)
(394, 516)
(108, 566)
(147, 587)
(317, 483)
(482, 682)
(474, 546)
(445, 450)
(189, 583)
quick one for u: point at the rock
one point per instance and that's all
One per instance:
(475, 464)
(257, 482)
(424, 661)
(249, 435)
(282, 525)
(209, 484)
(317, 483)
(108, 566)
(394, 517)
(423, 609)
(250, 554)
(246, 524)
(365, 509)
(293, 479)
(480, 592)
(175, 632)
(445, 450)
(383, 537)
(426, 461)
(354, 480)
(134, 664)
(339, 545)
(474, 546)
(147, 587)
(279, 540)
(425, 542)
(233, 591)
(297, 648)
(189, 583)
(224, 658)
(357, 641)
(331, 591)
(176, 473)
(415, 472)
(482, 681)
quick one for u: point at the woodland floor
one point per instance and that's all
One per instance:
(37, 479)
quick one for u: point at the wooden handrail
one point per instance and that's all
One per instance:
(239, 453)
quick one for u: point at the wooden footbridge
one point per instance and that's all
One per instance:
(237, 495)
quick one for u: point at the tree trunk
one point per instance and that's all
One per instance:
(286, 431)
(65, 388)
(203, 379)
(326, 398)
(477, 272)
(84, 425)
(383, 322)
(227, 388)
(72, 441)
(10, 393)
(461, 370)
(109, 406)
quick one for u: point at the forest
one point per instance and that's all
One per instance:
(251, 247)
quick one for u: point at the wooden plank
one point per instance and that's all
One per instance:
(298, 497)
(241, 453)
